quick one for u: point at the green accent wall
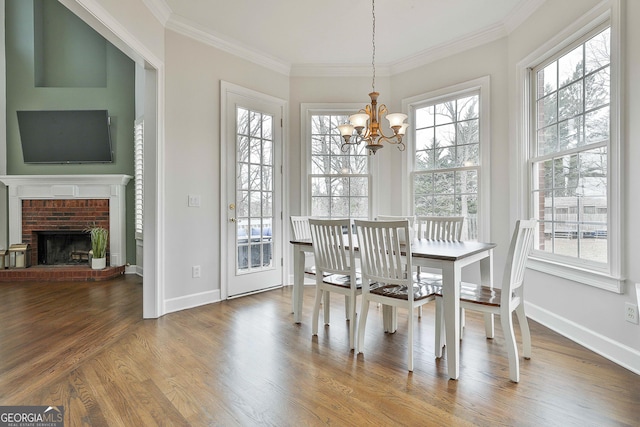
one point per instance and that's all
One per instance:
(54, 61)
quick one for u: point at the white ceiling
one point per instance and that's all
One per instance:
(304, 33)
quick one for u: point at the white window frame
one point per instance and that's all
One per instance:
(138, 168)
(610, 278)
(481, 86)
(307, 110)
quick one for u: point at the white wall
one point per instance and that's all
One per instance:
(192, 160)
(591, 316)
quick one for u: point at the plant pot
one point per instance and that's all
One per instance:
(98, 263)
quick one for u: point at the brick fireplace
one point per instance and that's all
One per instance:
(57, 203)
(60, 215)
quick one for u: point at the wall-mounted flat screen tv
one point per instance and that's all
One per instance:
(65, 136)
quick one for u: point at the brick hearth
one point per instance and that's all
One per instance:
(58, 273)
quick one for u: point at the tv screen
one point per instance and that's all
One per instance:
(65, 136)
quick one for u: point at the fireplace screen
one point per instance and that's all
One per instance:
(63, 247)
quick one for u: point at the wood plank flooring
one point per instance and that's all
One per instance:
(244, 362)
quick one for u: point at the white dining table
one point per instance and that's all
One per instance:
(449, 257)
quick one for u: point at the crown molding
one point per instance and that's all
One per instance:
(338, 70)
(190, 29)
(160, 9)
(456, 46)
(520, 13)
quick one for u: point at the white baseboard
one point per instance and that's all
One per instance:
(191, 301)
(133, 269)
(621, 354)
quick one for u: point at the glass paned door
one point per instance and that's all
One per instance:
(252, 179)
(254, 191)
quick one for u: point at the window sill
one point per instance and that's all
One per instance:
(587, 277)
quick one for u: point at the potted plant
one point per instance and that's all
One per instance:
(99, 238)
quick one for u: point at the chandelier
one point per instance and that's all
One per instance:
(366, 122)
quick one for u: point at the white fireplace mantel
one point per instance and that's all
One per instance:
(43, 187)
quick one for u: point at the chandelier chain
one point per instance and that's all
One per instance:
(373, 44)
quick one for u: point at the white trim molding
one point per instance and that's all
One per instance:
(621, 354)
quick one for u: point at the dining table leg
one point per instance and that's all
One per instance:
(451, 305)
(298, 283)
(486, 277)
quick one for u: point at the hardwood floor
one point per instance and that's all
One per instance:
(244, 362)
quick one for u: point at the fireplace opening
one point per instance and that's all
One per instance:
(63, 247)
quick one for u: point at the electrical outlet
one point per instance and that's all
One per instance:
(195, 271)
(631, 312)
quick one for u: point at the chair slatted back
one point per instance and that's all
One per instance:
(440, 227)
(300, 227)
(519, 249)
(380, 251)
(411, 219)
(332, 246)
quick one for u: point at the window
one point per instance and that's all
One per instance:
(446, 176)
(138, 149)
(338, 181)
(572, 152)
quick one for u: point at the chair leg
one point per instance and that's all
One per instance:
(410, 347)
(347, 304)
(316, 311)
(327, 307)
(352, 320)
(362, 324)
(524, 329)
(419, 312)
(439, 335)
(512, 350)
(488, 325)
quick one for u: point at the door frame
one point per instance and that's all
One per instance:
(226, 90)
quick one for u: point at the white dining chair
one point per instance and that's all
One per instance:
(386, 274)
(301, 231)
(336, 269)
(448, 228)
(389, 317)
(502, 301)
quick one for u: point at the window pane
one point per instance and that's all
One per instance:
(445, 112)
(320, 186)
(443, 182)
(468, 108)
(445, 135)
(570, 101)
(570, 66)
(570, 133)
(547, 140)
(468, 132)
(425, 117)
(339, 207)
(466, 182)
(548, 80)
(424, 138)
(359, 187)
(467, 155)
(547, 110)
(597, 51)
(597, 89)
(597, 125)
(423, 184)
